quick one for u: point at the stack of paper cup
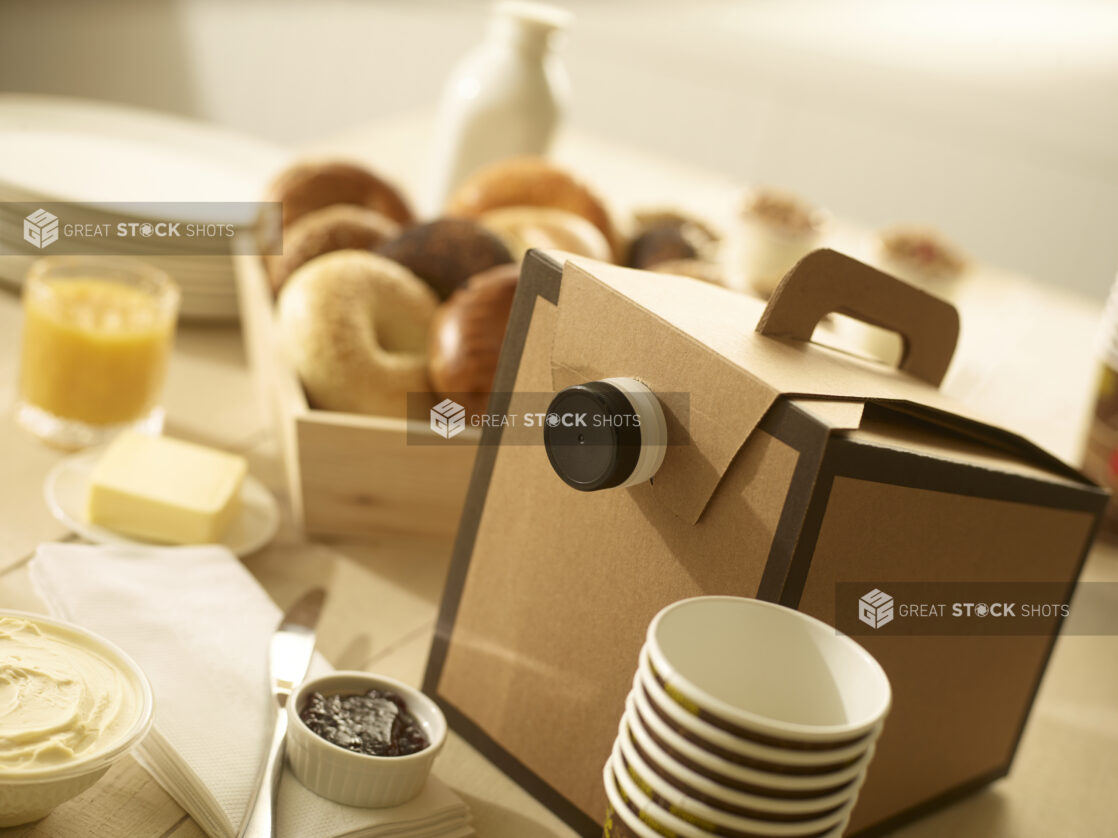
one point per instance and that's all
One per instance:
(746, 719)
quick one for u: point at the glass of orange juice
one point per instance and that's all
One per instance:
(97, 334)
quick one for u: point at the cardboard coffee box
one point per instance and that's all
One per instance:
(793, 473)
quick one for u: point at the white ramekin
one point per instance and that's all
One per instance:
(352, 778)
(31, 795)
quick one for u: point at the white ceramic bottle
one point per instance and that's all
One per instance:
(504, 98)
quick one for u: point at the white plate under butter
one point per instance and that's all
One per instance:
(67, 486)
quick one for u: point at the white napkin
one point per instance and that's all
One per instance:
(199, 625)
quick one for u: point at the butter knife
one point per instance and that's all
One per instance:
(289, 658)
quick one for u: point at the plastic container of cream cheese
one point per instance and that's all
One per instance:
(71, 704)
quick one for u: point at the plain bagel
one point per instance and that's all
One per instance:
(547, 228)
(355, 324)
(530, 182)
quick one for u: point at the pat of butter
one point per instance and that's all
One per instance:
(163, 489)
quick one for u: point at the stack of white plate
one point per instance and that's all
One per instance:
(745, 719)
(103, 159)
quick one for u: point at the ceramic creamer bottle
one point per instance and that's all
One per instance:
(504, 98)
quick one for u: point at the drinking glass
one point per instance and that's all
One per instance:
(97, 334)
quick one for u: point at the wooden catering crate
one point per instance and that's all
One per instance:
(347, 474)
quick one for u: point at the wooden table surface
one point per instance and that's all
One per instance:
(1025, 356)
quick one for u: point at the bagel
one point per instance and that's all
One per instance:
(354, 326)
(466, 337)
(337, 227)
(446, 252)
(660, 244)
(522, 228)
(530, 182)
(311, 185)
(666, 235)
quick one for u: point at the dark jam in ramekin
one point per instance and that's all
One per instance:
(376, 723)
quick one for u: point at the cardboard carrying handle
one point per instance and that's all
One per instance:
(826, 281)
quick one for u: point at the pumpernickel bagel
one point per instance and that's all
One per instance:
(446, 252)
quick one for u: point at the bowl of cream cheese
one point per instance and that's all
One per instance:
(71, 703)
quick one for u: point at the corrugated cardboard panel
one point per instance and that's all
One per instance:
(959, 703)
(836, 415)
(724, 402)
(555, 604)
(884, 427)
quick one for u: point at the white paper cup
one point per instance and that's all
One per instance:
(738, 748)
(621, 821)
(634, 737)
(739, 776)
(667, 822)
(695, 811)
(759, 254)
(793, 681)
